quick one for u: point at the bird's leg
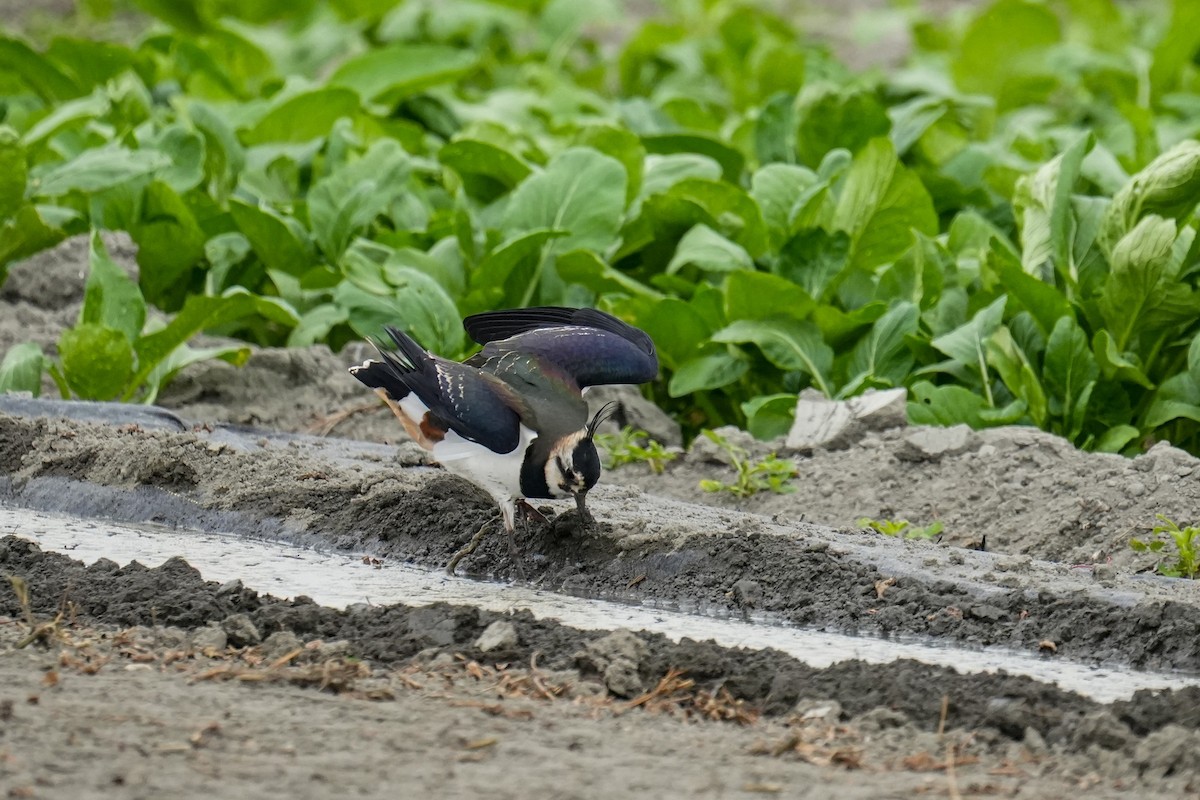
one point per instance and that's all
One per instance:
(529, 513)
(471, 546)
(508, 508)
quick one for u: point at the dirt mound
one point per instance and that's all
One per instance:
(645, 548)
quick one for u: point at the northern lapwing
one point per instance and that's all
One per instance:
(512, 418)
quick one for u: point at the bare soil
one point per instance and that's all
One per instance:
(155, 681)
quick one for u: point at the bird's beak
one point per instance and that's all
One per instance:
(584, 515)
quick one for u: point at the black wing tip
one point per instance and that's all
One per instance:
(490, 326)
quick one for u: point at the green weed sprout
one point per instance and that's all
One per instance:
(634, 446)
(770, 473)
(1187, 561)
(900, 527)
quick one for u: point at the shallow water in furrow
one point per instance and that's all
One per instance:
(339, 579)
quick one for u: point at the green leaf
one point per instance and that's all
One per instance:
(28, 232)
(1169, 187)
(788, 344)
(391, 73)
(1017, 370)
(621, 144)
(363, 267)
(1070, 372)
(775, 131)
(732, 161)
(770, 416)
(93, 63)
(1115, 439)
(883, 357)
(1178, 397)
(722, 206)
(186, 17)
(442, 262)
(588, 269)
(967, 344)
(21, 369)
(502, 278)
(833, 117)
(13, 173)
(1043, 203)
(280, 242)
(224, 155)
(185, 148)
(1115, 364)
(111, 298)
(36, 71)
(815, 259)
(881, 204)
(170, 244)
(97, 361)
(945, 405)
(837, 326)
(581, 191)
(1132, 291)
(758, 295)
(200, 313)
(344, 204)
(663, 172)
(704, 248)
(419, 306)
(316, 323)
(63, 115)
(912, 119)
(96, 170)
(1003, 53)
(304, 117)
(182, 356)
(1177, 47)
(676, 327)
(710, 371)
(487, 171)
(777, 188)
(1045, 303)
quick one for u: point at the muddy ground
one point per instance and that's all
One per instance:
(155, 680)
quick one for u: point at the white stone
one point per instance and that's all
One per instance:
(881, 410)
(819, 421)
(500, 635)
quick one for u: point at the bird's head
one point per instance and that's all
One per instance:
(574, 465)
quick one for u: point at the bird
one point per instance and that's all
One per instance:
(512, 418)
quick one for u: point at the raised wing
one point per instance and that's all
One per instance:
(475, 405)
(547, 399)
(593, 348)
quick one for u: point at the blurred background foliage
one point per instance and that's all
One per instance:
(998, 214)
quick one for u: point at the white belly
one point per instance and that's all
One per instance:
(497, 473)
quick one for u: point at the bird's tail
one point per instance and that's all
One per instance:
(393, 371)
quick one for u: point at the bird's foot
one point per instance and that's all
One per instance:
(472, 545)
(531, 514)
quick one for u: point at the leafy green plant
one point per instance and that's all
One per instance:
(112, 353)
(769, 473)
(1007, 228)
(900, 527)
(633, 446)
(1187, 553)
